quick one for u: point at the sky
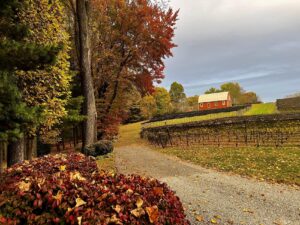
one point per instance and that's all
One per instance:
(253, 42)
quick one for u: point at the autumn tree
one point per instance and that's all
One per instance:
(162, 100)
(46, 24)
(130, 41)
(178, 96)
(148, 106)
(192, 103)
(21, 53)
(212, 90)
(249, 98)
(237, 93)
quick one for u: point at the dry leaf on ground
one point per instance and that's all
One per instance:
(79, 202)
(152, 213)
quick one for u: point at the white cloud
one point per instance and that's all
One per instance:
(218, 39)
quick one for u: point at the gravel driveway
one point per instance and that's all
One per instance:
(213, 197)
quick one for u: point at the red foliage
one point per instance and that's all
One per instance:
(70, 190)
(131, 40)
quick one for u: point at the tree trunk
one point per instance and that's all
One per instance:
(89, 107)
(15, 152)
(29, 148)
(1, 156)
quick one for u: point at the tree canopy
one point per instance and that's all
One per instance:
(237, 93)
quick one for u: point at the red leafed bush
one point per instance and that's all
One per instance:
(69, 189)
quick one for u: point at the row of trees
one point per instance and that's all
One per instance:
(163, 101)
(238, 94)
(66, 64)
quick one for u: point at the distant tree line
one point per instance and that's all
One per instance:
(162, 101)
(238, 94)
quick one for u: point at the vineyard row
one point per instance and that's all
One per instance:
(259, 131)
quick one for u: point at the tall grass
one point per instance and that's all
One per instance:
(262, 109)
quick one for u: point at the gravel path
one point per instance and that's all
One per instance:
(212, 196)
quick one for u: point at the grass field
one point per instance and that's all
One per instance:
(256, 109)
(278, 165)
(130, 134)
(193, 119)
(262, 109)
(273, 164)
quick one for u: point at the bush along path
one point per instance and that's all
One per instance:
(69, 189)
(211, 197)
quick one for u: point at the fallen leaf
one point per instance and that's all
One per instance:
(103, 196)
(23, 186)
(213, 221)
(199, 218)
(58, 196)
(138, 212)
(158, 191)
(248, 211)
(129, 191)
(117, 208)
(139, 202)
(76, 176)
(79, 219)
(152, 213)
(230, 222)
(62, 167)
(113, 220)
(79, 202)
(40, 182)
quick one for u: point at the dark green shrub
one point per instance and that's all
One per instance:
(102, 147)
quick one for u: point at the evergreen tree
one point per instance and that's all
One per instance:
(17, 54)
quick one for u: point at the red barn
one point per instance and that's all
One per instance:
(214, 101)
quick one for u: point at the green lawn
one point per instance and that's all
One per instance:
(256, 109)
(130, 134)
(193, 119)
(273, 164)
(260, 109)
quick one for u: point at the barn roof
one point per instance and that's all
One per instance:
(221, 96)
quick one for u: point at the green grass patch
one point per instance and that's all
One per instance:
(130, 134)
(256, 109)
(273, 164)
(262, 109)
(107, 162)
(193, 119)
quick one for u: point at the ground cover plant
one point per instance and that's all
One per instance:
(273, 164)
(262, 109)
(69, 189)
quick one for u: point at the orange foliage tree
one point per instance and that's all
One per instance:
(130, 40)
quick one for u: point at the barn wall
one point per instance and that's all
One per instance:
(214, 105)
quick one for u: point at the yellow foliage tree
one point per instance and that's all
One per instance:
(47, 88)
